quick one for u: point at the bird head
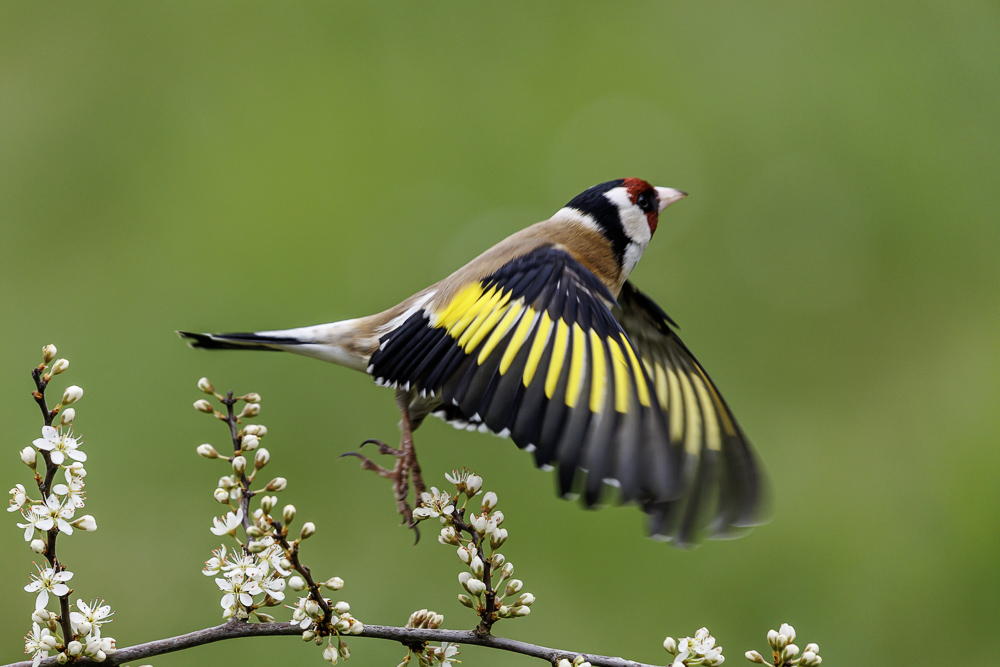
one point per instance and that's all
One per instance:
(626, 211)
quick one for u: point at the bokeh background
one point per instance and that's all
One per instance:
(215, 166)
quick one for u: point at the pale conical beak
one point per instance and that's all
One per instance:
(668, 196)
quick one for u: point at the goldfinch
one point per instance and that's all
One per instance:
(543, 339)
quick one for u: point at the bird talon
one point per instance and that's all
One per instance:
(383, 448)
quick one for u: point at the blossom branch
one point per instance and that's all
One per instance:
(406, 636)
(41, 379)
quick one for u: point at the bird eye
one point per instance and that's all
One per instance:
(646, 201)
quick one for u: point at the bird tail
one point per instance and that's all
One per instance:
(335, 342)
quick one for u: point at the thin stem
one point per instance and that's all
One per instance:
(405, 636)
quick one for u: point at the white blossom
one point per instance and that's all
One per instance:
(434, 504)
(73, 490)
(48, 580)
(95, 614)
(18, 498)
(214, 564)
(38, 642)
(59, 445)
(228, 524)
(238, 591)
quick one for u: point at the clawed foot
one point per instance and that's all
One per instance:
(406, 465)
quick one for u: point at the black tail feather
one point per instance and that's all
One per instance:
(236, 341)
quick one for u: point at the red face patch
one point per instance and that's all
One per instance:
(643, 195)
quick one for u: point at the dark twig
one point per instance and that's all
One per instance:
(405, 636)
(232, 420)
(292, 553)
(45, 488)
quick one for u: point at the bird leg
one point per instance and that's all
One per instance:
(406, 465)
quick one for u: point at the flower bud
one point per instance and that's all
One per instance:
(477, 566)
(812, 647)
(221, 495)
(252, 397)
(466, 600)
(498, 537)
(478, 523)
(288, 514)
(201, 405)
(256, 547)
(86, 523)
(465, 554)
(60, 366)
(206, 386)
(334, 583)
(62, 658)
(789, 651)
(809, 658)
(267, 503)
(72, 394)
(74, 648)
(772, 639)
(489, 501)
(497, 560)
(345, 652)
(526, 600)
(250, 410)
(308, 530)
(67, 416)
(513, 586)
(448, 535)
(357, 627)
(524, 611)
(277, 484)
(473, 484)
(506, 571)
(464, 578)
(308, 636)
(49, 353)
(239, 464)
(788, 631)
(296, 583)
(261, 458)
(29, 456)
(312, 607)
(254, 531)
(40, 616)
(207, 451)
(342, 607)
(670, 645)
(250, 442)
(753, 656)
(476, 587)
(38, 546)
(265, 618)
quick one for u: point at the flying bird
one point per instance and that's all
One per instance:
(543, 339)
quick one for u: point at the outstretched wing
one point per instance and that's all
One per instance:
(533, 351)
(720, 474)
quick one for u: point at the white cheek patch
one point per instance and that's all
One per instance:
(633, 219)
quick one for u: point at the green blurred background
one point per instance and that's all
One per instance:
(215, 166)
